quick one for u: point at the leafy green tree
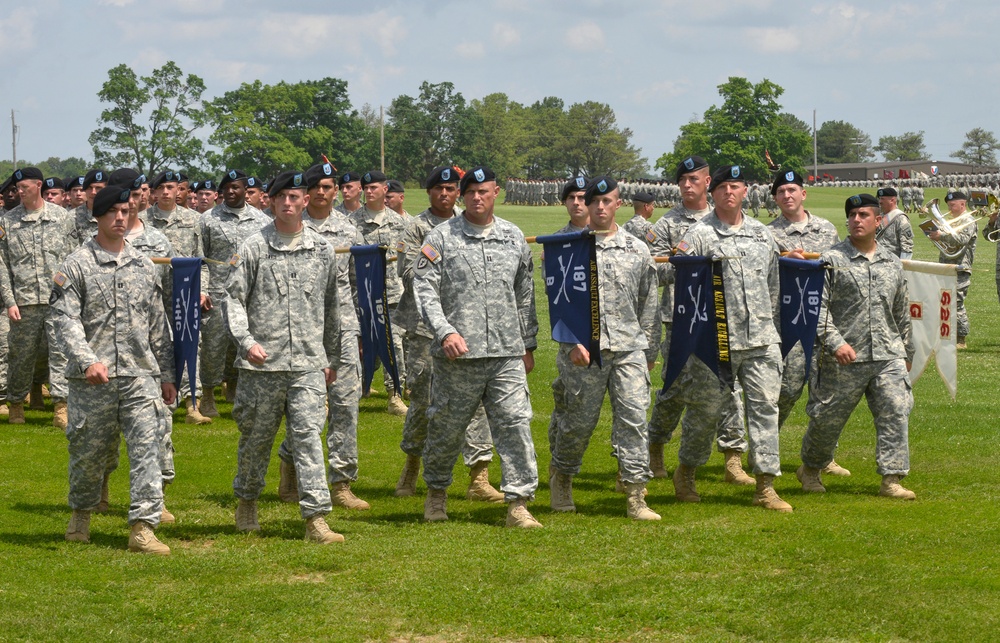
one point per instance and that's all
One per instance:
(547, 127)
(841, 142)
(596, 145)
(151, 121)
(979, 149)
(426, 131)
(498, 135)
(52, 166)
(908, 146)
(748, 123)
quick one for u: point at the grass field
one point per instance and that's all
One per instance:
(846, 565)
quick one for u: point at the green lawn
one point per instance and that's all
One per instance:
(846, 565)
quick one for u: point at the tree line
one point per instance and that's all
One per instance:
(162, 120)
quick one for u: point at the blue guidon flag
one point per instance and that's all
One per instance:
(376, 328)
(700, 325)
(801, 294)
(570, 264)
(186, 319)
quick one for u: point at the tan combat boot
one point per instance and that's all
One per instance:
(59, 418)
(810, 479)
(35, 400)
(104, 504)
(16, 413)
(206, 406)
(396, 406)
(892, 489)
(193, 416)
(834, 469)
(684, 487)
(656, 464)
(288, 483)
(620, 486)
(436, 505)
(342, 496)
(142, 540)
(4, 411)
(167, 518)
(560, 491)
(479, 485)
(318, 531)
(637, 508)
(78, 529)
(519, 516)
(734, 469)
(246, 516)
(767, 497)
(407, 485)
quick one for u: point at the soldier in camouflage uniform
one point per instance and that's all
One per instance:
(644, 204)
(344, 394)
(477, 450)
(895, 232)
(692, 176)
(629, 341)
(86, 225)
(751, 290)
(864, 336)
(281, 308)
(108, 306)
(381, 226)
(350, 190)
(475, 291)
(223, 229)
(964, 236)
(35, 237)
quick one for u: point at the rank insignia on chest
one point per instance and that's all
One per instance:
(432, 254)
(235, 259)
(683, 247)
(60, 279)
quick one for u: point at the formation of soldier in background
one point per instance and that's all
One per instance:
(76, 259)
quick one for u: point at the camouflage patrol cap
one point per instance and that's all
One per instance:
(108, 197)
(599, 185)
(287, 180)
(860, 201)
(232, 175)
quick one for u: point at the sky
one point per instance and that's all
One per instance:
(886, 67)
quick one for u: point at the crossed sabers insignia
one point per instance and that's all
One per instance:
(186, 330)
(564, 269)
(700, 312)
(371, 307)
(801, 314)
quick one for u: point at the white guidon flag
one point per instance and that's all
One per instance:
(932, 315)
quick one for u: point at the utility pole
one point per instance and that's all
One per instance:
(381, 122)
(13, 138)
(815, 156)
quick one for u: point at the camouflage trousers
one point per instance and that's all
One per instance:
(793, 381)
(342, 398)
(98, 415)
(4, 354)
(759, 373)
(214, 346)
(833, 395)
(262, 399)
(33, 337)
(478, 445)
(164, 435)
(578, 393)
(961, 292)
(668, 406)
(499, 384)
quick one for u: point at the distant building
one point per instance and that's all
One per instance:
(894, 170)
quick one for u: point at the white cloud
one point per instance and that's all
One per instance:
(470, 50)
(18, 29)
(358, 36)
(115, 3)
(663, 90)
(773, 40)
(504, 35)
(586, 36)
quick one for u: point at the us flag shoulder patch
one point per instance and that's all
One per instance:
(235, 259)
(400, 246)
(650, 236)
(59, 278)
(683, 247)
(428, 251)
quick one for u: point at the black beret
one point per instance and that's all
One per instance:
(27, 173)
(886, 192)
(726, 174)
(350, 177)
(785, 179)
(287, 180)
(643, 197)
(52, 183)
(577, 184)
(6, 184)
(232, 175)
(127, 177)
(73, 182)
(442, 174)
(193, 186)
(478, 174)
(182, 178)
(318, 172)
(207, 184)
(109, 196)
(955, 196)
(599, 185)
(94, 176)
(166, 176)
(395, 186)
(859, 201)
(374, 176)
(254, 182)
(690, 164)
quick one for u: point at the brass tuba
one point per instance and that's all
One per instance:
(992, 235)
(940, 223)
